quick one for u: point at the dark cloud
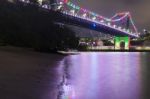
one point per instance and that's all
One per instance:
(140, 9)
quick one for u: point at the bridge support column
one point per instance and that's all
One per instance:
(122, 43)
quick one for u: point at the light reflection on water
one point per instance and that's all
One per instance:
(102, 76)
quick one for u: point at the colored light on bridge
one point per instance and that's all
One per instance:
(94, 25)
(114, 26)
(65, 1)
(61, 3)
(72, 12)
(109, 24)
(119, 27)
(84, 15)
(93, 18)
(102, 21)
(122, 43)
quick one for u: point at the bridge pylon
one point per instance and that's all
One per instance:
(122, 42)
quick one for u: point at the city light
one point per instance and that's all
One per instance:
(109, 24)
(59, 7)
(93, 18)
(84, 15)
(119, 27)
(114, 26)
(60, 3)
(40, 2)
(94, 25)
(72, 12)
(102, 21)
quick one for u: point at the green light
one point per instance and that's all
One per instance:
(119, 40)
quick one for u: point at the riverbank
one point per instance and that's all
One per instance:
(109, 50)
(112, 49)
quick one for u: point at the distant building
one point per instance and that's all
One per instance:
(99, 43)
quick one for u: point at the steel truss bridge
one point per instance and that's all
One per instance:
(121, 24)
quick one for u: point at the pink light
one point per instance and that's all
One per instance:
(65, 1)
(84, 10)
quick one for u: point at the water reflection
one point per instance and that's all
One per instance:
(145, 75)
(66, 88)
(101, 76)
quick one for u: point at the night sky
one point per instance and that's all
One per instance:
(140, 9)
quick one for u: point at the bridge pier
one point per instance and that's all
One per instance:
(122, 42)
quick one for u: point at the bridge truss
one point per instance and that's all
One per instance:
(122, 22)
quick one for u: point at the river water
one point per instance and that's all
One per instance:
(106, 75)
(89, 75)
